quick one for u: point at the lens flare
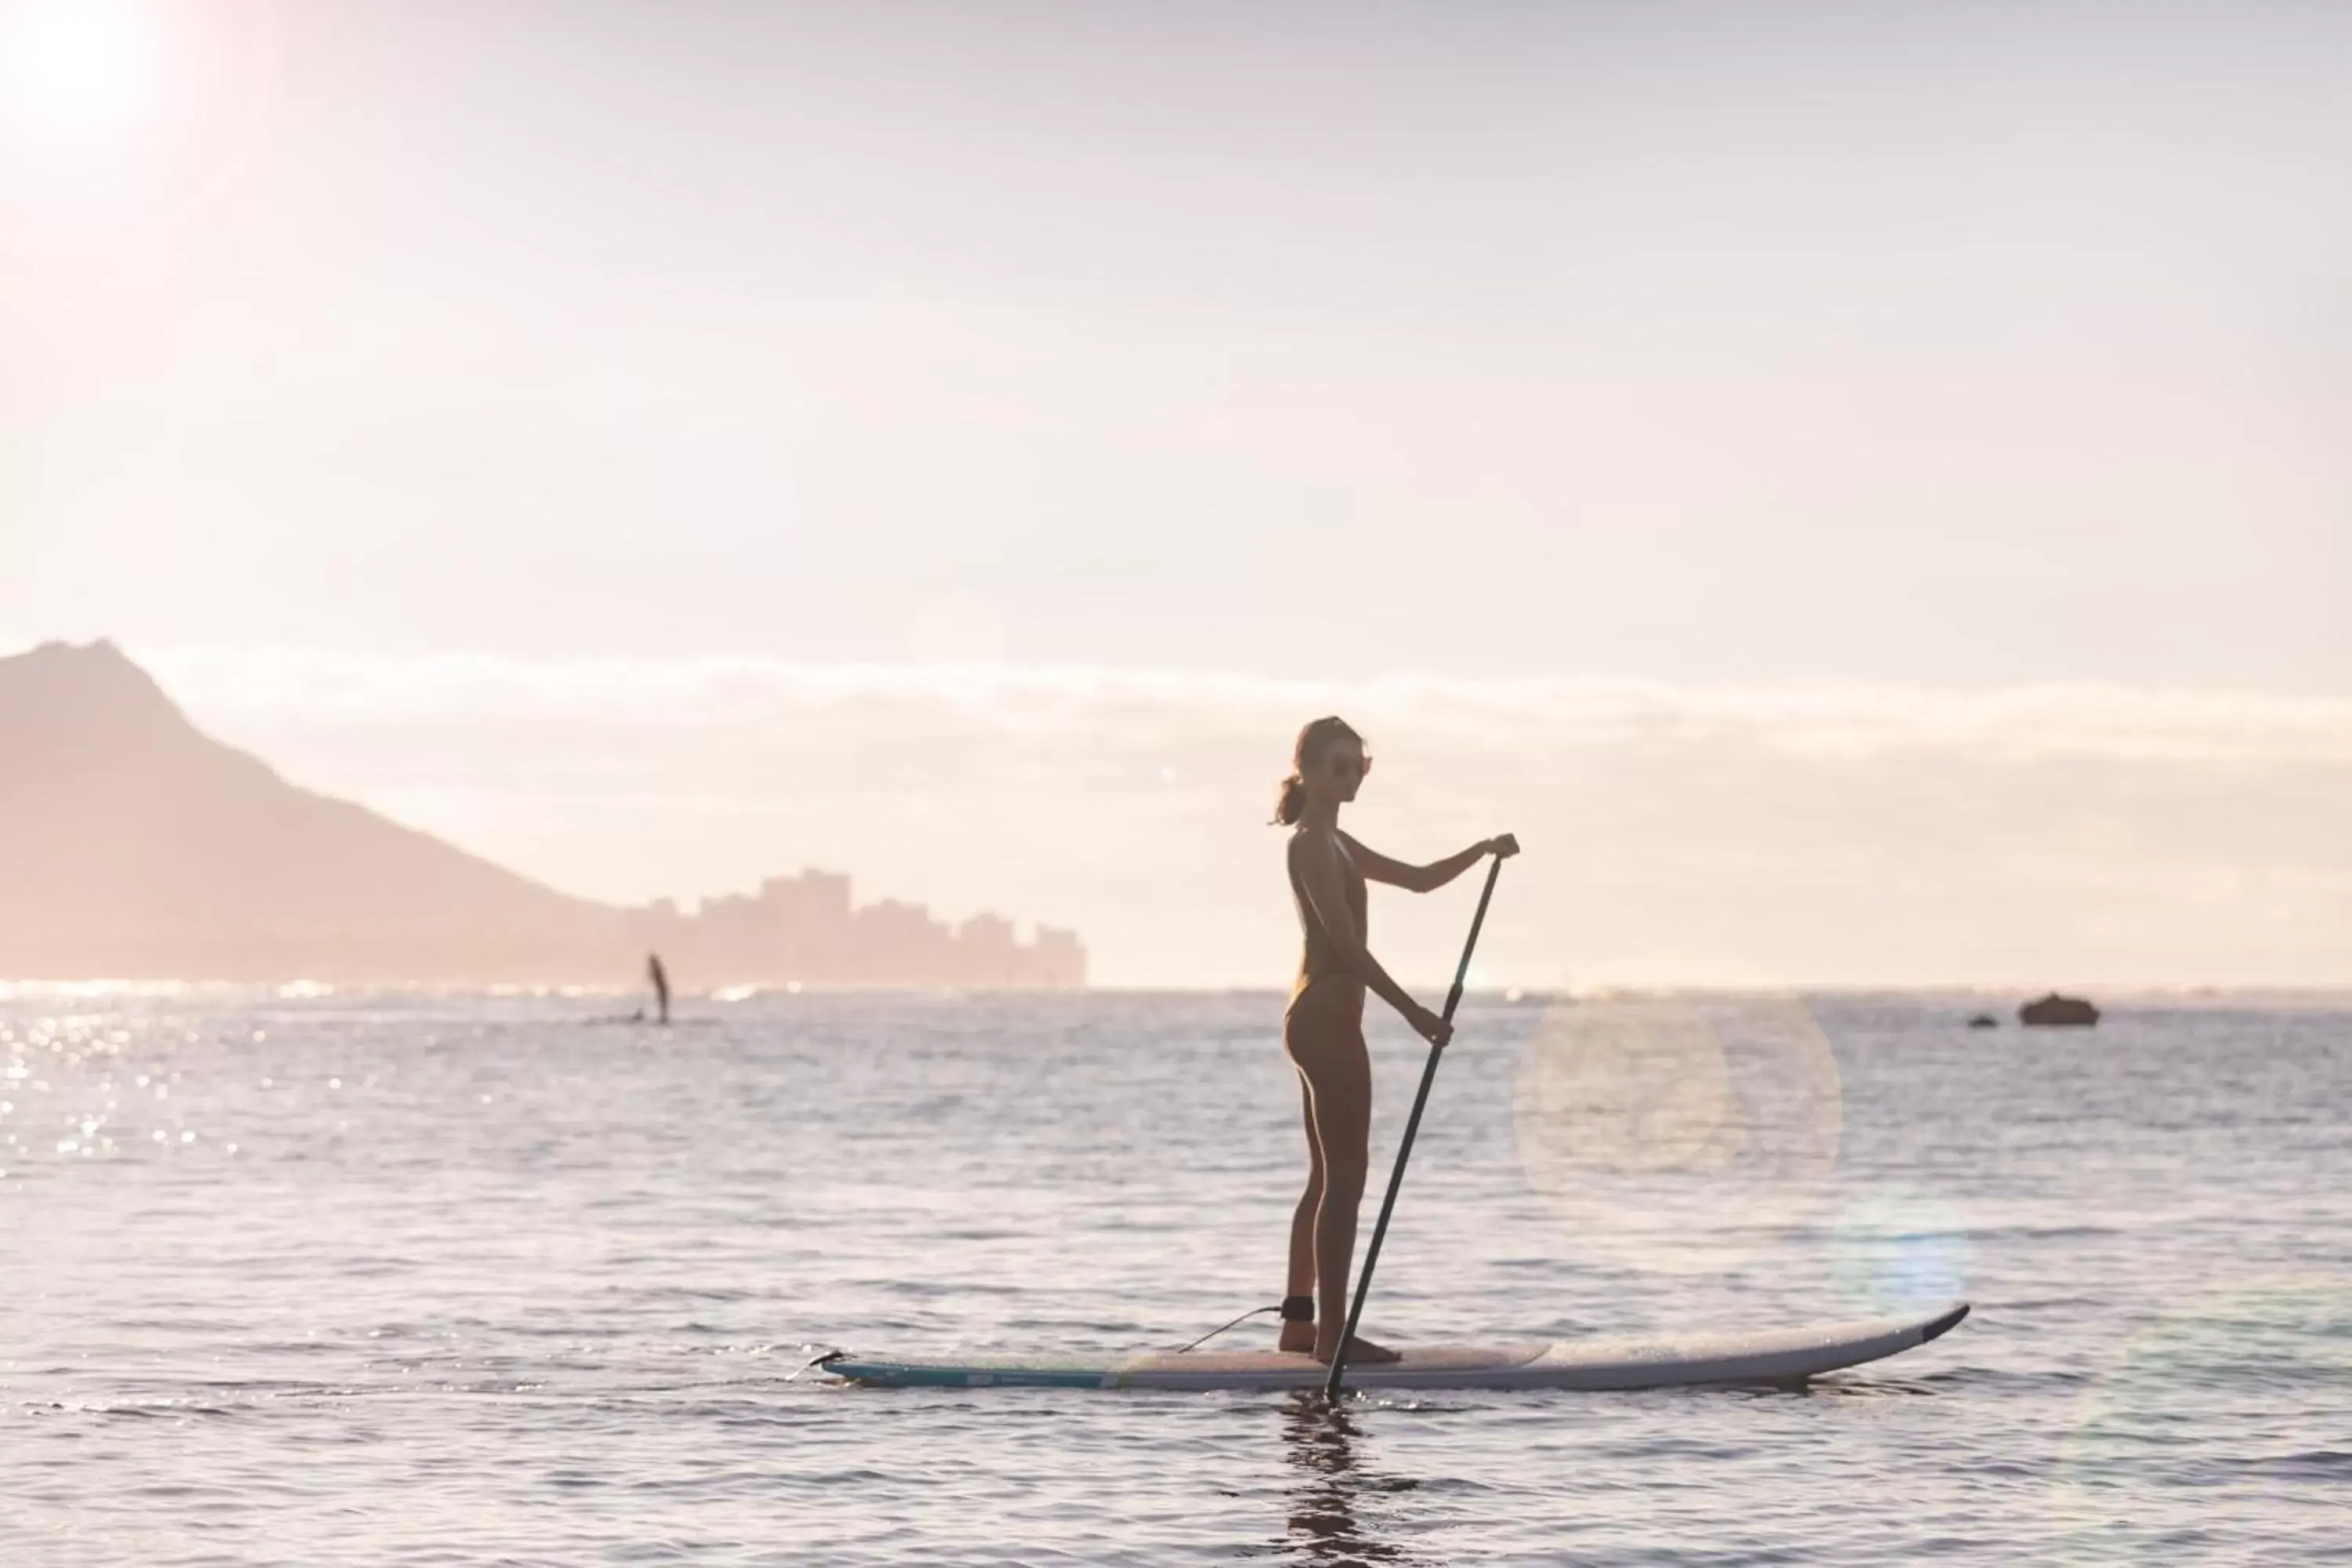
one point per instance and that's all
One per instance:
(2241, 1394)
(1683, 1135)
(1898, 1250)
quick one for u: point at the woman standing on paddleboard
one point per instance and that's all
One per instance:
(1323, 1027)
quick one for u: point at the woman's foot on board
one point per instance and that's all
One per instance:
(1360, 1352)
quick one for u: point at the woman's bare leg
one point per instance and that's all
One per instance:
(1300, 1279)
(1329, 1051)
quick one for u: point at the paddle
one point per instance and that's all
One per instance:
(1405, 1150)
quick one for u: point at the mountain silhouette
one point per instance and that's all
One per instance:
(134, 846)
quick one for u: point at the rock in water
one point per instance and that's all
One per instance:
(2057, 1012)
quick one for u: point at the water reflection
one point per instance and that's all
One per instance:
(1319, 1441)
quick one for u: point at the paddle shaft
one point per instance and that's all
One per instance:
(1405, 1150)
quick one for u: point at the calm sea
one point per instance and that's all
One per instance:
(480, 1279)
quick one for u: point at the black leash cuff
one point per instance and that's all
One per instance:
(1298, 1309)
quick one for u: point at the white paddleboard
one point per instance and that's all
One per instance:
(1777, 1355)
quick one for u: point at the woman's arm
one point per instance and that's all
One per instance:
(1317, 864)
(1379, 867)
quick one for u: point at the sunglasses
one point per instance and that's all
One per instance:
(1358, 766)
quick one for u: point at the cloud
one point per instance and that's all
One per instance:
(1765, 833)
(1848, 717)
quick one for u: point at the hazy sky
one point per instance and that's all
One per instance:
(402, 378)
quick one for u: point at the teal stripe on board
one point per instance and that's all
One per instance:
(903, 1375)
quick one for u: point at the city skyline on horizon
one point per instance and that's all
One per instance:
(807, 929)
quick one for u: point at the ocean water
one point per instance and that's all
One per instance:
(462, 1279)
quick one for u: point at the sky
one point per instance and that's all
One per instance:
(1860, 489)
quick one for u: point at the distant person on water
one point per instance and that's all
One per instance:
(660, 978)
(1323, 1027)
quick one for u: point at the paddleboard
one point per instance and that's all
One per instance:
(1778, 1355)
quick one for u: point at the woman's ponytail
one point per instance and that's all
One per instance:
(1291, 802)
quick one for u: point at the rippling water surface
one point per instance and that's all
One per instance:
(475, 1279)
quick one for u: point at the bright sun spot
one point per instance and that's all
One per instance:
(76, 69)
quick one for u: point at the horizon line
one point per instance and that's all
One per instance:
(730, 993)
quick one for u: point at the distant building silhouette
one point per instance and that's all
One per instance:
(805, 931)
